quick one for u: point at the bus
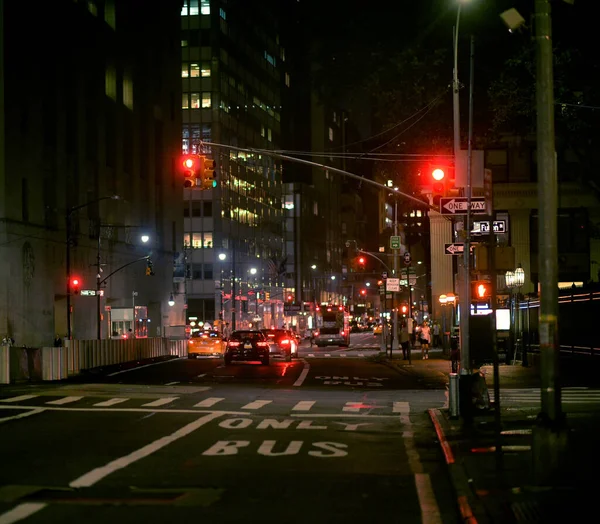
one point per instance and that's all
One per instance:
(333, 326)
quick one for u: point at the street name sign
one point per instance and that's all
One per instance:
(91, 292)
(392, 284)
(395, 242)
(458, 206)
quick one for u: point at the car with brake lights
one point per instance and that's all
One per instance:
(282, 342)
(205, 344)
(248, 346)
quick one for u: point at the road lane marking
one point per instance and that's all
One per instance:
(111, 402)
(200, 376)
(172, 383)
(430, 512)
(304, 405)
(361, 354)
(303, 375)
(311, 354)
(353, 407)
(208, 402)
(18, 399)
(144, 366)
(257, 404)
(160, 402)
(64, 400)
(327, 355)
(343, 355)
(22, 511)
(401, 407)
(22, 415)
(92, 477)
(193, 412)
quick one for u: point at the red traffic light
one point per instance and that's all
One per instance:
(404, 309)
(438, 174)
(363, 292)
(192, 167)
(188, 163)
(362, 260)
(75, 284)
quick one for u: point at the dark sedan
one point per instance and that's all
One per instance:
(282, 343)
(247, 345)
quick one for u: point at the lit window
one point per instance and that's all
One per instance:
(269, 135)
(184, 43)
(184, 8)
(184, 70)
(262, 131)
(186, 240)
(185, 101)
(206, 101)
(110, 82)
(204, 7)
(223, 14)
(128, 90)
(196, 240)
(92, 7)
(205, 70)
(194, 70)
(330, 135)
(109, 13)
(193, 7)
(195, 100)
(287, 79)
(208, 239)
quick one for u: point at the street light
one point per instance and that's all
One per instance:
(515, 280)
(171, 300)
(222, 257)
(68, 216)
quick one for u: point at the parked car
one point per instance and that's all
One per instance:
(205, 344)
(247, 345)
(282, 342)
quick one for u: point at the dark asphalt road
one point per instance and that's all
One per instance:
(335, 436)
(320, 439)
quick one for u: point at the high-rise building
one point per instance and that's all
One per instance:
(233, 71)
(88, 138)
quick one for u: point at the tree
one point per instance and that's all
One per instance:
(577, 99)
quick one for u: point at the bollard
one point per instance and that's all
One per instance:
(453, 395)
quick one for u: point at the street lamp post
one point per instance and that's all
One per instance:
(68, 227)
(515, 280)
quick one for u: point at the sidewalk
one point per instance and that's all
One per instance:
(494, 486)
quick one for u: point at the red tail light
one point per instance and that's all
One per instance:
(285, 342)
(234, 344)
(262, 344)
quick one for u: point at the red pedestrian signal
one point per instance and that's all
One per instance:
(480, 291)
(404, 310)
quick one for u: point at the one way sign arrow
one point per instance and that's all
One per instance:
(454, 249)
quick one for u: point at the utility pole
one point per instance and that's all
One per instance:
(233, 302)
(68, 272)
(394, 344)
(98, 278)
(550, 435)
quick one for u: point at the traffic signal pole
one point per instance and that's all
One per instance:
(550, 435)
(394, 344)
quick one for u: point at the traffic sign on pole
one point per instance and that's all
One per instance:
(458, 206)
(392, 284)
(395, 242)
(407, 258)
(454, 249)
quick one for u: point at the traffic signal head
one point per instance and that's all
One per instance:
(192, 167)
(439, 183)
(404, 309)
(75, 285)
(290, 298)
(363, 292)
(208, 175)
(149, 268)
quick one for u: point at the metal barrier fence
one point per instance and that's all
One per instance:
(57, 363)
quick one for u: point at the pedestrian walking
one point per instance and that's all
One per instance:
(404, 340)
(437, 340)
(226, 330)
(425, 338)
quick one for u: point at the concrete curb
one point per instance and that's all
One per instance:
(471, 510)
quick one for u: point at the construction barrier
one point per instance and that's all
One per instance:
(57, 363)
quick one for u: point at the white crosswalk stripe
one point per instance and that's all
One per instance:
(352, 407)
(64, 400)
(304, 405)
(257, 404)
(20, 398)
(208, 402)
(160, 402)
(111, 402)
(533, 395)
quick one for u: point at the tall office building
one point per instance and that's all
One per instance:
(88, 137)
(234, 69)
